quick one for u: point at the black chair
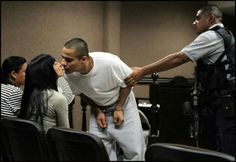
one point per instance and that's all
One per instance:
(179, 152)
(74, 145)
(25, 140)
(5, 150)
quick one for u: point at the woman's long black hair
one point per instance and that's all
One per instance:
(40, 76)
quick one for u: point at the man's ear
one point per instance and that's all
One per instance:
(212, 18)
(84, 58)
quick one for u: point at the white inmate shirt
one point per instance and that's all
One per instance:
(103, 82)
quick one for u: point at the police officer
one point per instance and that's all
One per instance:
(217, 124)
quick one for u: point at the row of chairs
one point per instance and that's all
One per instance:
(24, 140)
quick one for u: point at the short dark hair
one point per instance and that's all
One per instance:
(12, 63)
(79, 45)
(212, 9)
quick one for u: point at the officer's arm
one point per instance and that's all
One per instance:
(168, 62)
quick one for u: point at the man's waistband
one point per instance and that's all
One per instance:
(108, 107)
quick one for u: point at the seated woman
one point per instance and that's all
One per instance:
(41, 101)
(12, 77)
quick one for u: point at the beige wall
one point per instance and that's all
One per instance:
(30, 28)
(152, 30)
(139, 32)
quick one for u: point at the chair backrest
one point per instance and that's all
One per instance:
(145, 125)
(179, 152)
(5, 149)
(25, 139)
(73, 145)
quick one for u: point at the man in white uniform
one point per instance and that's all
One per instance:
(98, 77)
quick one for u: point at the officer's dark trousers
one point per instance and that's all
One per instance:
(217, 131)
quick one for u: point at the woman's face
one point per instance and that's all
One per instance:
(20, 75)
(59, 69)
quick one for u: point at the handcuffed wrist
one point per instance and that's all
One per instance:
(118, 110)
(100, 110)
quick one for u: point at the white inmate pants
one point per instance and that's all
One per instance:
(129, 135)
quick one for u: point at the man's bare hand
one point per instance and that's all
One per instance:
(118, 117)
(101, 120)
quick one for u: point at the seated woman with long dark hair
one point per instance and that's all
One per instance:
(41, 101)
